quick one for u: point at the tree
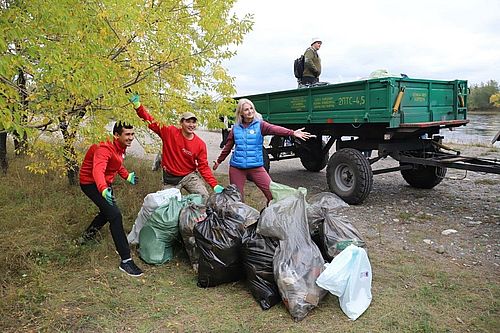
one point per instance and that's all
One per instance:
(480, 95)
(495, 99)
(78, 57)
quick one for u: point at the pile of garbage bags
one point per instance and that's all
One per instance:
(292, 251)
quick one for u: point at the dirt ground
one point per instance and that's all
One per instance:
(466, 205)
(457, 221)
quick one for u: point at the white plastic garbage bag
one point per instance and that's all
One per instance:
(349, 276)
(151, 202)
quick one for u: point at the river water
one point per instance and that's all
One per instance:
(481, 129)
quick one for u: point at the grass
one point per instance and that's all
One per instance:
(49, 284)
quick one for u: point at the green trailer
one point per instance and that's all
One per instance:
(398, 117)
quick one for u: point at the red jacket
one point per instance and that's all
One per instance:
(101, 164)
(180, 156)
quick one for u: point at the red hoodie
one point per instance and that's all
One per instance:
(101, 164)
(180, 156)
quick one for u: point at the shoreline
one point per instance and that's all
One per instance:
(488, 111)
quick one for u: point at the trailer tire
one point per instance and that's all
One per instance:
(349, 175)
(313, 158)
(265, 158)
(314, 163)
(276, 143)
(424, 176)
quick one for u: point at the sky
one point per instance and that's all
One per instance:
(425, 39)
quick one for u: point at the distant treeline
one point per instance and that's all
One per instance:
(484, 96)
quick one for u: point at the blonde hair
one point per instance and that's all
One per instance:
(239, 110)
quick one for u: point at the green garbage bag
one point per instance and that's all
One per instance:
(152, 250)
(159, 233)
(192, 199)
(280, 191)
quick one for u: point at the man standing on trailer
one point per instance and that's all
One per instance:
(312, 63)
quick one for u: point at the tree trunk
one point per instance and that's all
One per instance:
(21, 142)
(71, 162)
(4, 165)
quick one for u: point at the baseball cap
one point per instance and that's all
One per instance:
(315, 39)
(188, 115)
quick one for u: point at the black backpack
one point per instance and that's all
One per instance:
(298, 67)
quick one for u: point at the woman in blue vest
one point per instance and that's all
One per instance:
(247, 137)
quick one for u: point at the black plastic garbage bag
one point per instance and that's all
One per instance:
(316, 206)
(218, 201)
(190, 216)
(219, 242)
(335, 234)
(257, 255)
(329, 230)
(241, 213)
(297, 262)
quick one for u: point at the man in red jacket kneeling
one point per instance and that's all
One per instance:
(184, 154)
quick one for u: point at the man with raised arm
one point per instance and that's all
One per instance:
(184, 154)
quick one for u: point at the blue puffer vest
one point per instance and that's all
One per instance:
(248, 146)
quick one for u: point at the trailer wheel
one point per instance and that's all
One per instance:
(349, 175)
(314, 163)
(265, 158)
(424, 176)
(313, 159)
(276, 143)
